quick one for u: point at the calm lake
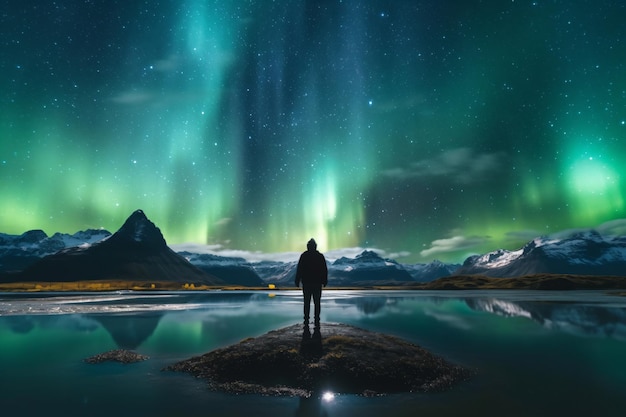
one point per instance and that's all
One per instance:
(533, 353)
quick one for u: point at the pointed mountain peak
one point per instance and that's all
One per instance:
(140, 229)
(368, 254)
(138, 214)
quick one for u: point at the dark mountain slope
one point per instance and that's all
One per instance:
(137, 251)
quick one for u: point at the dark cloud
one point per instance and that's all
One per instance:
(460, 165)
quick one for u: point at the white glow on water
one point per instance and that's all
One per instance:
(328, 396)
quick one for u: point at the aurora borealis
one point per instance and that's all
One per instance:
(425, 129)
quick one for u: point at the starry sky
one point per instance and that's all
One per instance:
(423, 129)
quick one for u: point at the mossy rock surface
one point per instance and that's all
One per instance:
(339, 358)
(118, 355)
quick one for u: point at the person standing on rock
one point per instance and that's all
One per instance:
(312, 272)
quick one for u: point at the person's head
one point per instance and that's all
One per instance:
(311, 244)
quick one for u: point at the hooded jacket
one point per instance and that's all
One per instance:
(312, 270)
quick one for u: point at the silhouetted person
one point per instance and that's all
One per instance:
(313, 274)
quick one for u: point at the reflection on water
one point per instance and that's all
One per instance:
(311, 345)
(535, 353)
(311, 407)
(368, 305)
(129, 331)
(590, 320)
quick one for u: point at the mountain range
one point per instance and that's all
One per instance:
(19, 251)
(138, 251)
(585, 253)
(366, 269)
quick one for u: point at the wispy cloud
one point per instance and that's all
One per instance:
(454, 244)
(133, 97)
(219, 250)
(615, 227)
(167, 65)
(461, 165)
(251, 256)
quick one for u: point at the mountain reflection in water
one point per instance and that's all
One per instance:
(567, 317)
(129, 331)
(534, 353)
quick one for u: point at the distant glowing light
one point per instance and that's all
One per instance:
(591, 176)
(328, 396)
(595, 189)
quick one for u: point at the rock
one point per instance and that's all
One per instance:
(118, 355)
(339, 358)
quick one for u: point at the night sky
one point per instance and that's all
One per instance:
(425, 129)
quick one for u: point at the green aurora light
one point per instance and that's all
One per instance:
(422, 128)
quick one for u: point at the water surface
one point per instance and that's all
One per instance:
(533, 353)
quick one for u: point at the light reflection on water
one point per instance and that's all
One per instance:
(539, 353)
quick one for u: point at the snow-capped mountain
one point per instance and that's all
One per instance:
(368, 267)
(82, 238)
(234, 271)
(431, 271)
(275, 272)
(587, 253)
(19, 251)
(137, 251)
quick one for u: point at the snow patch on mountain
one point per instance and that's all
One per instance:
(19, 251)
(83, 238)
(583, 253)
(431, 271)
(38, 243)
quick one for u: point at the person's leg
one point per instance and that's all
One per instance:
(307, 305)
(317, 297)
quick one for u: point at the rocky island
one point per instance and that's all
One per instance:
(338, 358)
(118, 355)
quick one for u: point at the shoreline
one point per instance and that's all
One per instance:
(550, 282)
